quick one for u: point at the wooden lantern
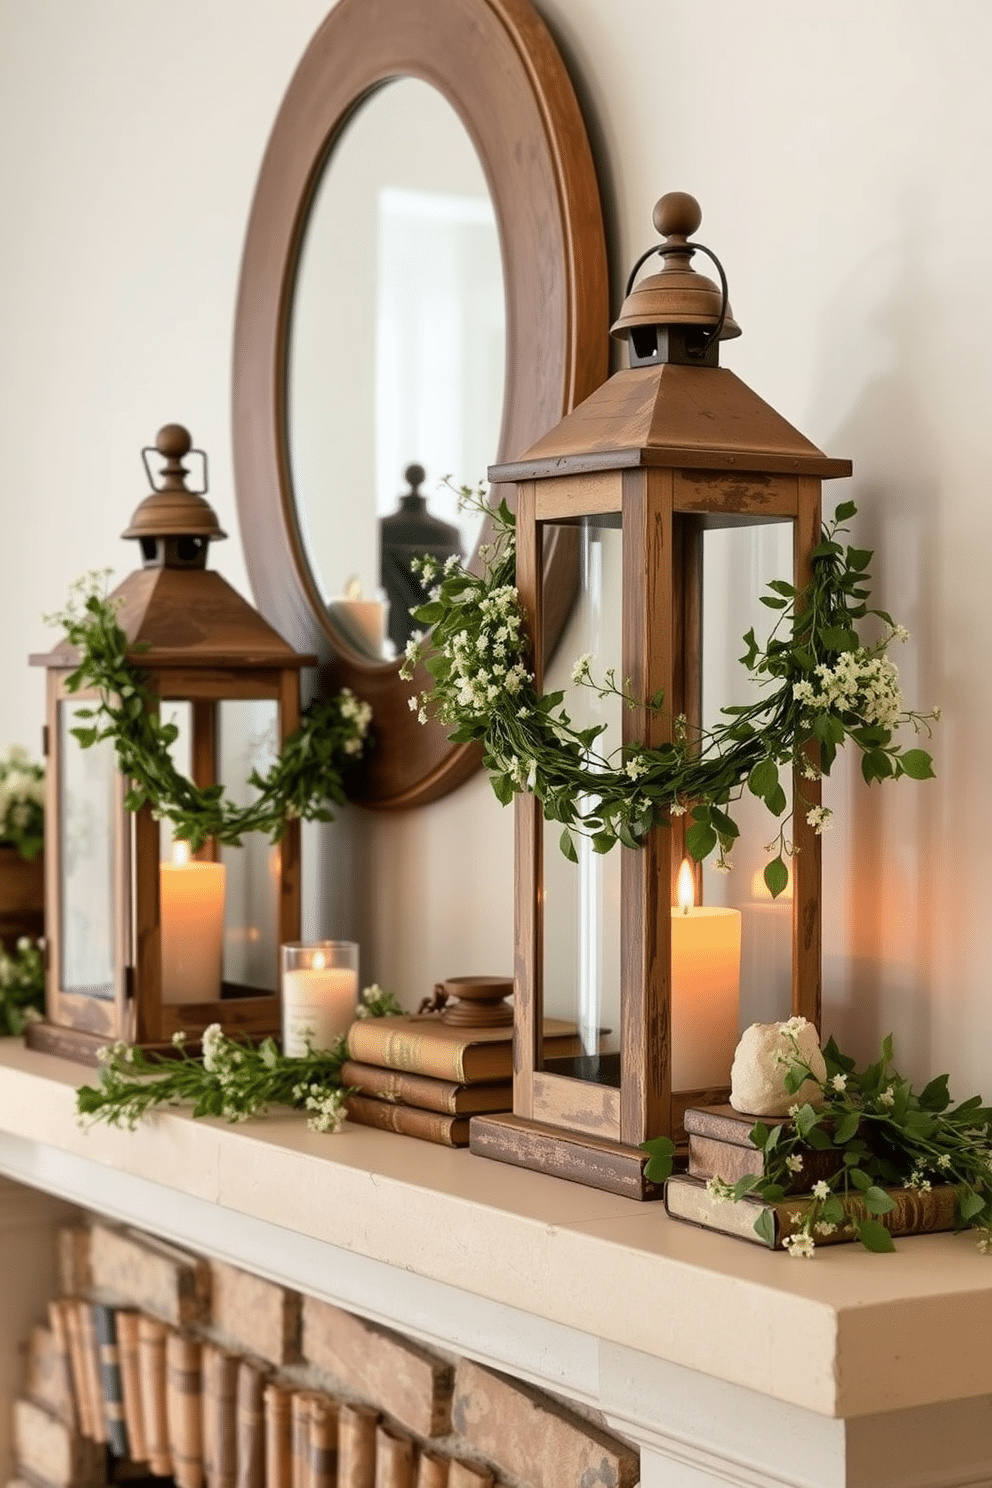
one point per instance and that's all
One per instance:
(666, 448)
(139, 949)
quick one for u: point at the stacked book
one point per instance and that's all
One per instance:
(422, 1077)
(720, 1146)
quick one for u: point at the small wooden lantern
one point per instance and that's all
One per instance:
(664, 449)
(139, 949)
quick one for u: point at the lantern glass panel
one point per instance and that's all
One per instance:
(87, 813)
(181, 752)
(249, 740)
(582, 901)
(738, 564)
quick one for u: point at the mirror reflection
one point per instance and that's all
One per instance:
(396, 356)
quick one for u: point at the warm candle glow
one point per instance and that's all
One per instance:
(319, 962)
(191, 914)
(319, 995)
(180, 852)
(686, 887)
(353, 588)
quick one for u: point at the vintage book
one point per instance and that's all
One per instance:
(720, 1146)
(424, 1045)
(432, 1470)
(445, 1096)
(356, 1446)
(105, 1322)
(278, 1404)
(152, 1335)
(256, 1316)
(49, 1382)
(59, 1324)
(299, 1413)
(429, 1126)
(464, 1474)
(77, 1361)
(323, 1442)
(915, 1213)
(73, 1258)
(220, 1409)
(127, 1349)
(183, 1408)
(91, 1370)
(250, 1426)
(139, 1270)
(394, 1462)
(50, 1452)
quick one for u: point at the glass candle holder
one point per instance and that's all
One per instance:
(319, 994)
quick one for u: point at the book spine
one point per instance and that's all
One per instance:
(299, 1412)
(250, 1427)
(393, 1460)
(425, 1093)
(711, 1157)
(127, 1347)
(58, 1323)
(220, 1392)
(105, 1324)
(356, 1446)
(91, 1370)
(151, 1369)
(432, 1470)
(469, 1475)
(278, 1405)
(183, 1409)
(408, 1049)
(429, 1126)
(323, 1443)
(49, 1453)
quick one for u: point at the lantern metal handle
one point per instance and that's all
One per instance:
(700, 351)
(150, 449)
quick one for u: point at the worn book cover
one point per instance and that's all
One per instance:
(220, 1409)
(105, 1321)
(299, 1413)
(77, 1362)
(444, 1096)
(720, 1146)
(139, 1270)
(424, 1045)
(915, 1213)
(432, 1470)
(183, 1408)
(356, 1446)
(91, 1370)
(152, 1335)
(49, 1379)
(278, 1405)
(127, 1350)
(429, 1126)
(464, 1474)
(50, 1452)
(323, 1442)
(394, 1459)
(251, 1425)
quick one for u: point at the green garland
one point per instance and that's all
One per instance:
(22, 803)
(231, 1078)
(307, 774)
(22, 985)
(885, 1134)
(822, 687)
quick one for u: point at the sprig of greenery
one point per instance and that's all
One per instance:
(22, 985)
(231, 1077)
(22, 803)
(308, 774)
(822, 687)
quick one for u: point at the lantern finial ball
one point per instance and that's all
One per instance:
(173, 441)
(677, 214)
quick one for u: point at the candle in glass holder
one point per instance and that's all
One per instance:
(191, 913)
(319, 994)
(706, 964)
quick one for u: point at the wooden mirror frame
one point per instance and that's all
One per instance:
(498, 67)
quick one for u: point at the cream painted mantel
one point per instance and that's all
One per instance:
(727, 1364)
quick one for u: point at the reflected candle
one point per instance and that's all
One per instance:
(706, 965)
(319, 994)
(191, 914)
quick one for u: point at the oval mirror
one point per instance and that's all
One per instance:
(494, 66)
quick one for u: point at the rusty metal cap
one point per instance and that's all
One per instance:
(172, 510)
(678, 295)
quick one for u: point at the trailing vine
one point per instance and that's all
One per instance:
(308, 773)
(821, 686)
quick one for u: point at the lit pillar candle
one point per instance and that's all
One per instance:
(363, 620)
(706, 964)
(191, 914)
(319, 994)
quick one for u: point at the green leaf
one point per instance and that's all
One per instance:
(819, 1139)
(659, 1164)
(773, 604)
(936, 1096)
(781, 587)
(846, 1128)
(567, 845)
(877, 1201)
(833, 1210)
(775, 800)
(970, 1204)
(700, 840)
(747, 1185)
(776, 876)
(759, 1134)
(763, 777)
(874, 1236)
(503, 789)
(602, 842)
(917, 764)
(764, 1227)
(725, 825)
(839, 638)
(805, 1119)
(845, 511)
(858, 559)
(859, 1179)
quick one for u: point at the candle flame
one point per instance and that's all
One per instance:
(686, 887)
(180, 853)
(353, 588)
(319, 961)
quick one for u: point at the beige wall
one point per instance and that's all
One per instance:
(842, 156)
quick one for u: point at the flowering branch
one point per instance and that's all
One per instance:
(22, 803)
(22, 985)
(822, 687)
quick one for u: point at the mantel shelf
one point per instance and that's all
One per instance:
(846, 1335)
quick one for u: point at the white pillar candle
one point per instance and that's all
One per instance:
(706, 962)
(191, 916)
(362, 620)
(319, 995)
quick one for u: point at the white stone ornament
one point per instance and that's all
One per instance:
(761, 1063)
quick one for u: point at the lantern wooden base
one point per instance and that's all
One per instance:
(252, 1018)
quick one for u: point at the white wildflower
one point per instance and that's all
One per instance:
(718, 1188)
(799, 1246)
(794, 1162)
(839, 1082)
(887, 1097)
(580, 671)
(824, 1227)
(821, 1190)
(819, 818)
